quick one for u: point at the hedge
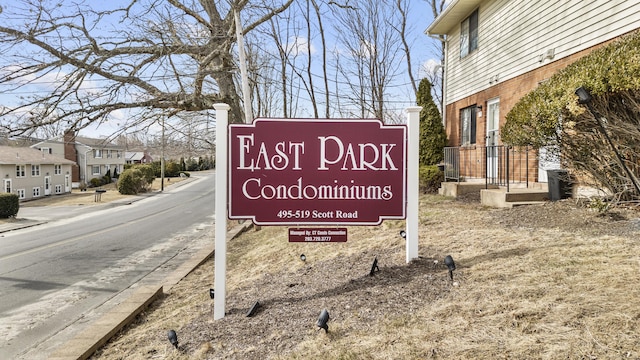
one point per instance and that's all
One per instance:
(9, 205)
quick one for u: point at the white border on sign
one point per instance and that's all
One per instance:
(381, 125)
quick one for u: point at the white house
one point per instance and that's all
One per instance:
(94, 157)
(31, 173)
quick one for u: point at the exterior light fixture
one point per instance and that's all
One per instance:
(322, 320)
(451, 265)
(212, 293)
(303, 257)
(585, 98)
(374, 267)
(252, 311)
(403, 234)
(583, 95)
(173, 338)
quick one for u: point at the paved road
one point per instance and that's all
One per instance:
(57, 277)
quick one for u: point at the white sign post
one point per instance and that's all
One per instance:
(221, 193)
(413, 167)
(220, 272)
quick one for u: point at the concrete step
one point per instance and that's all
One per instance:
(522, 203)
(500, 198)
(456, 189)
(532, 195)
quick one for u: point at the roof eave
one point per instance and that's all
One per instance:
(452, 16)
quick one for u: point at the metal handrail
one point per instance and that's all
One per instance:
(498, 165)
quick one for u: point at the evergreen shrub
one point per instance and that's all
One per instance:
(9, 205)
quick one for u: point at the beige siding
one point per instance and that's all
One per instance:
(29, 182)
(57, 147)
(514, 34)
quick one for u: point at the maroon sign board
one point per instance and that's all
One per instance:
(317, 171)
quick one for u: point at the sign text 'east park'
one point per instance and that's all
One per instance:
(315, 171)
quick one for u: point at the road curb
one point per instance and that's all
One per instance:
(85, 344)
(17, 226)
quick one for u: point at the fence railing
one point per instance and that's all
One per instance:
(497, 165)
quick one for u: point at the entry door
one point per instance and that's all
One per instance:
(47, 185)
(493, 125)
(67, 184)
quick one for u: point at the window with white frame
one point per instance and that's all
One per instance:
(118, 154)
(36, 191)
(21, 193)
(57, 169)
(468, 125)
(95, 169)
(20, 171)
(46, 150)
(58, 189)
(97, 153)
(35, 170)
(469, 34)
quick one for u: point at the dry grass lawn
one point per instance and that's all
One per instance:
(555, 281)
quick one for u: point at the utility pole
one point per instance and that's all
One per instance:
(246, 95)
(162, 158)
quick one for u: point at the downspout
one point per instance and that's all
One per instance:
(444, 83)
(443, 67)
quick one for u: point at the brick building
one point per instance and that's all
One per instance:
(498, 50)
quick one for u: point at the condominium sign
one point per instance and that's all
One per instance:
(311, 171)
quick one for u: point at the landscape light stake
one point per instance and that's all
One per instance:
(374, 267)
(173, 338)
(253, 309)
(584, 97)
(451, 265)
(322, 320)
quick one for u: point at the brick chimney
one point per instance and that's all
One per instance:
(70, 153)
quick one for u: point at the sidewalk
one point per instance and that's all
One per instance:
(38, 215)
(29, 216)
(100, 332)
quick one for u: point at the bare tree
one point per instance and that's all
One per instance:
(323, 39)
(286, 55)
(263, 75)
(403, 8)
(86, 62)
(294, 54)
(373, 52)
